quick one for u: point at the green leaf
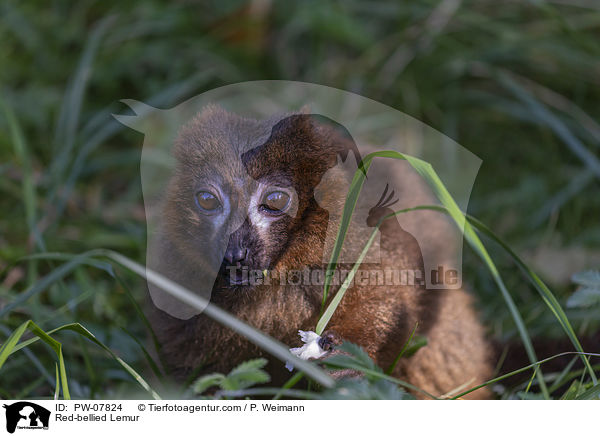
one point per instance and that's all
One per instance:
(359, 355)
(363, 389)
(588, 293)
(584, 297)
(353, 357)
(590, 279)
(207, 381)
(245, 375)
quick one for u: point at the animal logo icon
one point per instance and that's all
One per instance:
(253, 116)
(26, 415)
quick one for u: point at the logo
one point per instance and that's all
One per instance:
(230, 176)
(26, 415)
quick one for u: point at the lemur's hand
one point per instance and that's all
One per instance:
(328, 342)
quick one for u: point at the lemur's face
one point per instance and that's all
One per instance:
(255, 214)
(240, 207)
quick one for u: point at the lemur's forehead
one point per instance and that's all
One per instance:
(222, 129)
(220, 142)
(238, 154)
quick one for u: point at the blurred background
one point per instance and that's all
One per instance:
(517, 83)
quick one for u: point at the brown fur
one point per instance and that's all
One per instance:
(378, 318)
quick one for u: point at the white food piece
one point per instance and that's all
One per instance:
(310, 350)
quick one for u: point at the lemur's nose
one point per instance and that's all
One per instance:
(235, 254)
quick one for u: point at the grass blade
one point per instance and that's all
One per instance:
(553, 123)
(289, 384)
(520, 370)
(71, 108)
(563, 374)
(23, 157)
(545, 293)
(57, 390)
(592, 393)
(425, 170)
(78, 328)
(155, 369)
(390, 370)
(11, 345)
(326, 316)
(255, 336)
(45, 282)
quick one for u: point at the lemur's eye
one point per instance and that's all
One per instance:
(275, 202)
(207, 201)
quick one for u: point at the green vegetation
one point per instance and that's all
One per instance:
(518, 84)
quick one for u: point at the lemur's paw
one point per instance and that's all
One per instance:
(329, 340)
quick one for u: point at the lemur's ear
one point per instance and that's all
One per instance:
(300, 127)
(340, 138)
(306, 144)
